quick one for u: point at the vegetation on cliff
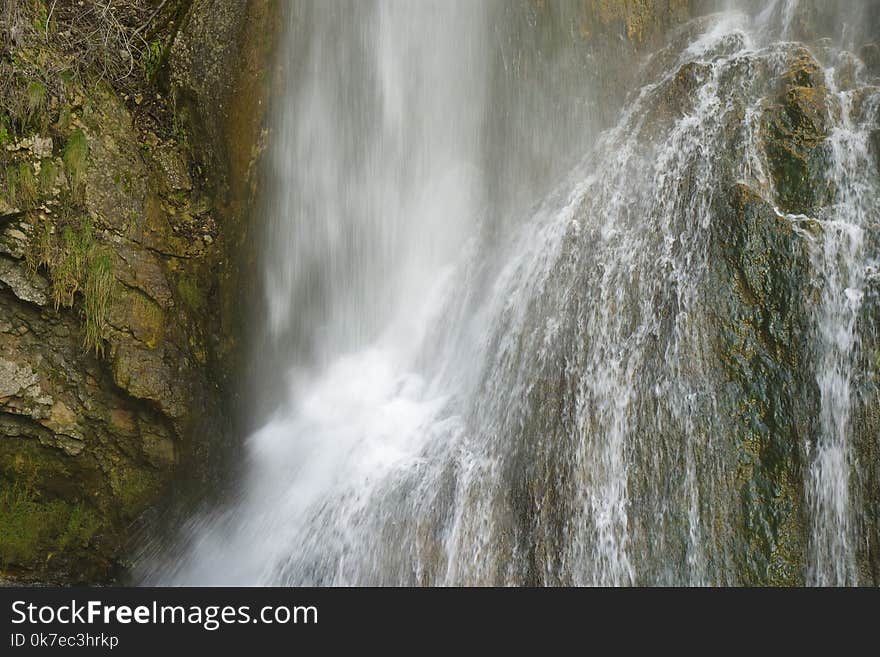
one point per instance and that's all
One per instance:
(107, 243)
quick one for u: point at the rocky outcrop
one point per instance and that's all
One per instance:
(764, 305)
(795, 136)
(748, 167)
(111, 240)
(759, 296)
(101, 350)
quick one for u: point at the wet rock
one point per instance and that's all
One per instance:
(759, 287)
(116, 180)
(875, 147)
(142, 269)
(203, 59)
(140, 316)
(677, 96)
(795, 130)
(158, 446)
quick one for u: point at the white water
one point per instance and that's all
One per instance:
(540, 408)
(842, 261)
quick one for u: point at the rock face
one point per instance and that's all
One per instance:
(796, 132)
(111, 240)
(763, 300)
(221, 71)
(747, 145)
(759, 320)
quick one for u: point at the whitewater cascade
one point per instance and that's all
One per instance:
(605, 390)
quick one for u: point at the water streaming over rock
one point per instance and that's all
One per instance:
(842, 261)
(653, 375)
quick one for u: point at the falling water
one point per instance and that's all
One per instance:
(543, 403)
(842, 262)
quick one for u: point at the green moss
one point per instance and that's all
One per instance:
(35, 99)
(68, 268)
(179, 132)
(76, 153)
(133, 489)
(27, 183)
(12, 185)
(68, 78)
(31, 529)
(154, 56)
(48, 175)
(98, 292)
(191, 294)
(26, 526)
(5, 134)
(65, 115)
(82, 524)
(41, 18)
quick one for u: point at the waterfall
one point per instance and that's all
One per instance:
(842, 263)
(611, 386)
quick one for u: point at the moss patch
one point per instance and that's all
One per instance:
(99, 286)
(36, 96)
(31, 528)
(27, 183)
(134, 489)
(76, 152)
(48, 175)
(11, 182)
(191, 294)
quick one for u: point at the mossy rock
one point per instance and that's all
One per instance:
(49, 524)
(676, 97)
(758, 286)
(134, 489)
(94, 228)
(35, 529)
(189, 289)
(795, 130)
(135, 312)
